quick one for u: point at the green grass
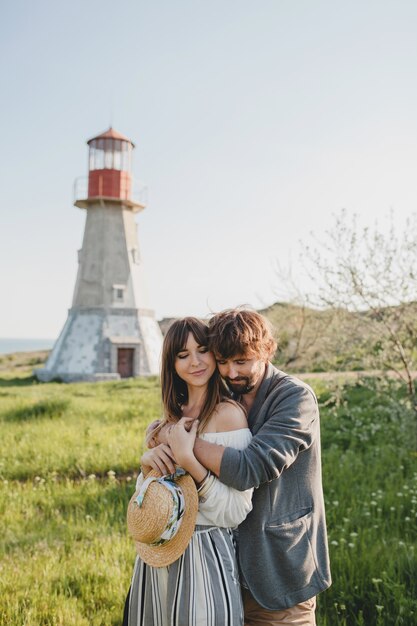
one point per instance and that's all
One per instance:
(370, 483)
(69, 455)
(66, 556)
(74, 430)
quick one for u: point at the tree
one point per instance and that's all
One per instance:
(372, 272)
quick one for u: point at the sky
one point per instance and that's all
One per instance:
(254, 123)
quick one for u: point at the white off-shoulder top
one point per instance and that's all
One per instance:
(222, 505)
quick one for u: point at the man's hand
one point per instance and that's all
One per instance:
(162, 435)
(160, 459)
(152, 442)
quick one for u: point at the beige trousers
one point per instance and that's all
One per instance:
(302, 614)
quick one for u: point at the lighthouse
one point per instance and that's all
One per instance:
(110, 331)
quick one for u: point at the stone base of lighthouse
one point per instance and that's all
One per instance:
(96, 344)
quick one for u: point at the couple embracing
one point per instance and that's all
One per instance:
(248, 437)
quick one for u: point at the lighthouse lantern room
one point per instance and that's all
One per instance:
(110, 331)
(109, 161)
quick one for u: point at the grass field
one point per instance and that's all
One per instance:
(68, 459)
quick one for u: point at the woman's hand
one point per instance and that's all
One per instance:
(160, 458)
(181, 437)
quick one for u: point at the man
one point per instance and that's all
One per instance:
(283, 553)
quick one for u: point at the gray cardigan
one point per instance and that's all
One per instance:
(283, 552)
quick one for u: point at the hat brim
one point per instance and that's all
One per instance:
(161, 556)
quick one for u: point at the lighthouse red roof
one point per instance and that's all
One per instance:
(111, 134)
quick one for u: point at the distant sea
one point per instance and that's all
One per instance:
(25, 345)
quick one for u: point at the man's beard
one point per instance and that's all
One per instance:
(241, 385)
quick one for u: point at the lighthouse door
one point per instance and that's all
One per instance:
(125, 359)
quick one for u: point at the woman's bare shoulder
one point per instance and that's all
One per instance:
(229, 415)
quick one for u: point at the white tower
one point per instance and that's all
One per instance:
(110, 332)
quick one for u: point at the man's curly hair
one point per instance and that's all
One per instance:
(241, 332)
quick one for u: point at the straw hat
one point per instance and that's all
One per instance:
(161, 517)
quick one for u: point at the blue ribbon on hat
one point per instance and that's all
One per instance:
(178, 509)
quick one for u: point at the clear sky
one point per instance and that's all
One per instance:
(254, 121)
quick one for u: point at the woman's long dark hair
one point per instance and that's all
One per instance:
(174, 389)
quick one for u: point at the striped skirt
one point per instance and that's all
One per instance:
(201, 588)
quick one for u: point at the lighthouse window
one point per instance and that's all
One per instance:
(117, 155)
(108, 159)
(99, 156)
(125, 165)
(92, 164)
(118, 293)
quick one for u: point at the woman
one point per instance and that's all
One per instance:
(202, 586)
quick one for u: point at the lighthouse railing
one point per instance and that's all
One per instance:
(138, 191)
